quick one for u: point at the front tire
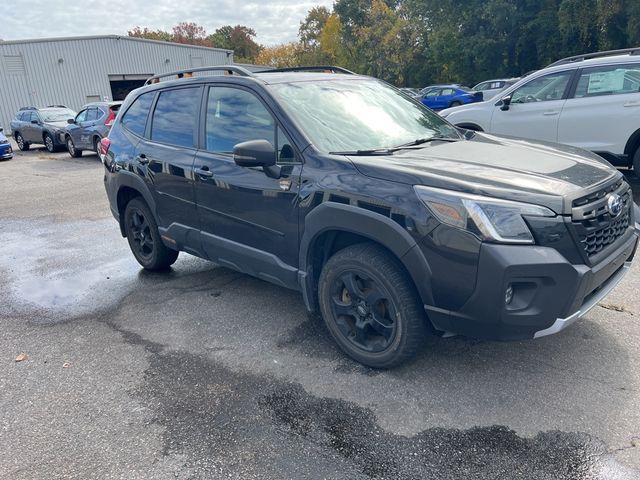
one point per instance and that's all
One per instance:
(48, 143)
(636, 163)
(73, 151)
(371, 306)
(144, 239)
(22, 145)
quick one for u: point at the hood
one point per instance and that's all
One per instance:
(514, 169)
(61, 124)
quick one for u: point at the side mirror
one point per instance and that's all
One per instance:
(506, 101)
(257, 153)
(1, 129)
(35, 122)
(71, 121)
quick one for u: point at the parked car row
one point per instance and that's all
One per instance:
(58, 127)
(591, 102)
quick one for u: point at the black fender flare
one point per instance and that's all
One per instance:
(632, 145)
(133, 181)
(331, 216)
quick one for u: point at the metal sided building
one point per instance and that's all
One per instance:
(77, 70)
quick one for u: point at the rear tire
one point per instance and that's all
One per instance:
(455, 104)
(144, 239)
(22, 145)
(96, 145)
(73, 151)
(371, 307)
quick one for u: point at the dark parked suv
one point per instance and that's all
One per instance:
(390, 221)
(40, 125)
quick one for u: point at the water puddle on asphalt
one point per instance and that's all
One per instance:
(65, 269)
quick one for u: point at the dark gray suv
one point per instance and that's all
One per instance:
(91, 125)
(40, 125)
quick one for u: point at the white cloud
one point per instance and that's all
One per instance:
(274, 22)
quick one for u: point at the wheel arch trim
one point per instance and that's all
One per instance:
(132, 181)
(339, 217)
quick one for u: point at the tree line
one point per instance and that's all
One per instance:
(418, 42)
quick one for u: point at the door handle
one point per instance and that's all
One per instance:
(142, 158)
(203, 172)
(551, 113)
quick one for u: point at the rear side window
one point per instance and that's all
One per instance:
(92, 114)
(135, 119)
(175, 117)
(609, 80)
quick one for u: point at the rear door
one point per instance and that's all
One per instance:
(33, 129)
(447, 95)
(535, 108)
(604, 110)
(249, 221)
(168, 151)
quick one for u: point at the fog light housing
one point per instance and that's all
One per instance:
(508, 295)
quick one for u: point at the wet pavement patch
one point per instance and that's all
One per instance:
(249, 426)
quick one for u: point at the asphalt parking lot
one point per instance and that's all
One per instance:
(202, 372)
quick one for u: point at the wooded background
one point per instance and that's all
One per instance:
(418, 42)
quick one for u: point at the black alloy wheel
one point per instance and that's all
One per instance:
(364, 311)
(144, 239)
(371, 307)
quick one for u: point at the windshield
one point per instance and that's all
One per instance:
(57, 115)
(348, 115)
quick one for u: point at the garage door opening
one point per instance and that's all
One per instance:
(121, 85)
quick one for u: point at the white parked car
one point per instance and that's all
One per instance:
(590, 101)
(490, 88)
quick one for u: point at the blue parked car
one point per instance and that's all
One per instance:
(6, 152)
(438, 97)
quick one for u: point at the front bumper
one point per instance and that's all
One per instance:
(6, 153)
(549, 292)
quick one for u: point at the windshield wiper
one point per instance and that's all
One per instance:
(389, 151)
(420, 141)
(375, 151)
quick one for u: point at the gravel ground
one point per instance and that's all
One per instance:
(202, 372)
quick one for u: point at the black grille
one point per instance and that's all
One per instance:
(599, 238)
(596, 228)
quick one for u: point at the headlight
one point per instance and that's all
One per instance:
(490, 219)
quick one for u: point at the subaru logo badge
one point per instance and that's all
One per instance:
(614, 204)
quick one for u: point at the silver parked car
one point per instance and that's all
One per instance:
(91, 125)
(490, 88)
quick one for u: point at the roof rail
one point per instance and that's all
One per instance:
(587, 56)
(28, 108)
(56, 106)
(314, 68)
(187, 73)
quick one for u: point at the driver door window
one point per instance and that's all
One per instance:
(542, 89)
(82, 116)
(235, 116)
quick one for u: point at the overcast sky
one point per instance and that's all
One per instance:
(274, 21)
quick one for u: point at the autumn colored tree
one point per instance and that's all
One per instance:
(190, 33)
(240, 39)
(280, 56)
(138, 32)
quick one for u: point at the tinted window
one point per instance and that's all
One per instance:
(448, 91)
(610, 80)
(235, 116)
(92, 114)
(82, 116)
(34, 116)
(175, 117)
(136, 117)
(432, 93)
(542, 89)
(285, 148)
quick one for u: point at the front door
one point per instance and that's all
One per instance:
(535, 108)
(249, 220)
